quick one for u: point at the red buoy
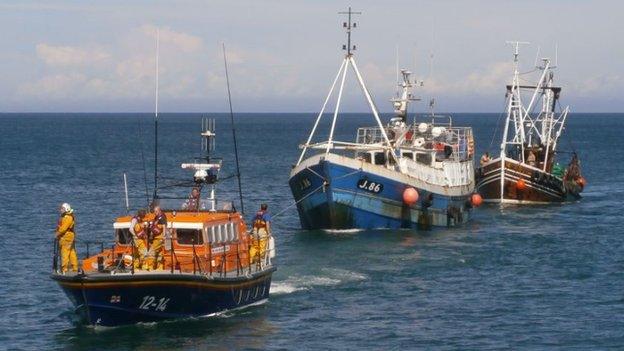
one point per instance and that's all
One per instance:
(520, 184)
(476, 200)
(581, 182)
(410, 196)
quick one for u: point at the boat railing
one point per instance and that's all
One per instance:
(454, 144)
(369, 135)
(181, 204)
(224, 259)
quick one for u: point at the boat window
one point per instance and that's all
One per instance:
(380, 158)
(189, 236)
(233, 231)
(223, 232)
(408, 155)
(211, 234)
(123, 236)
(424, 158)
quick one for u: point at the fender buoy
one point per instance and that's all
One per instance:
(410, 196)
(476, 200)
(581, 182)
(520, 184)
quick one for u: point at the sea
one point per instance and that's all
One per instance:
(519, 278)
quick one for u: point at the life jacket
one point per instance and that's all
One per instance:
(158, 226)
(138, 228)
(71, 227)
(259, 221)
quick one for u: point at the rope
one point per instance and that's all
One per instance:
(497, 124)
(297, 202)
(325, 183)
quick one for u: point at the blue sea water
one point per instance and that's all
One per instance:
(536, 277)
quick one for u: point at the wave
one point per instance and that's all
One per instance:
(329, 277)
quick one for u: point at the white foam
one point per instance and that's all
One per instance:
(342, 231)
(282, 288)
(331, 277)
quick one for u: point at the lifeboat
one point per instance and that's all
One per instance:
(210, 262)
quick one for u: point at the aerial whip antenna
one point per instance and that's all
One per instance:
(156, 119)
(537, 55)
(238, 176)
(397, 70)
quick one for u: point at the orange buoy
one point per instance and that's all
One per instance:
(581, 182)
(520, 184)
(476, 200)
(410, 196)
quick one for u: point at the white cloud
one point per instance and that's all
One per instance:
(62, 85)
(478, 82)
(184, 41)
(70, 55)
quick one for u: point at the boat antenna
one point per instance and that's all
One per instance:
(537, 56)
(147, 201)
(156, 120)
(238, 176)
(348, 26)
(125, 179)
(397, 70)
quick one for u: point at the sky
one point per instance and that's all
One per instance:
(99, 56)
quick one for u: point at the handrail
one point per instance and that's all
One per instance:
(231, 260)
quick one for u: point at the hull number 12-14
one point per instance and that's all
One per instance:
(367, 185)
(152, 303)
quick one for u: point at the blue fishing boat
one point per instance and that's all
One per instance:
(402, 174)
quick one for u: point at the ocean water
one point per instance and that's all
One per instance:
(537, 277)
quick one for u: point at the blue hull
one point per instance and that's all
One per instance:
(354, 198)
(114, 300)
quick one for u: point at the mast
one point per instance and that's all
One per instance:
(347, 61)
(513, 106)
(404, 96)
(238, 176)
(156, 119)
(348, 26)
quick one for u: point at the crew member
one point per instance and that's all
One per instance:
(484, 159)
(138, 230)
(192, 203)
(531, 160)
(65, 235)
(261, 231)
(155, 258)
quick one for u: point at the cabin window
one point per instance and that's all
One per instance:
(223, 232)
(189, 236)
(424, 158)
(233, 231)
(408, 155)
(380, 158)
(367, 157)
(211, 234)
(123, 236)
